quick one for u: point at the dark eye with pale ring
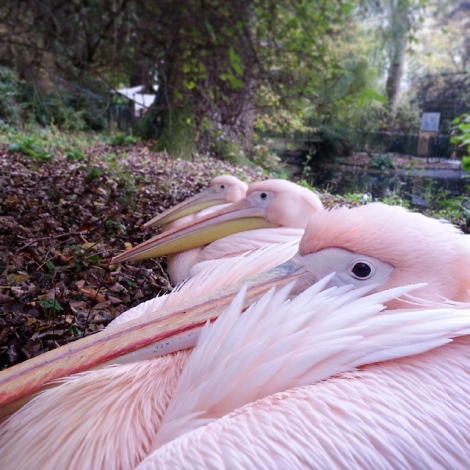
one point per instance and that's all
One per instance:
(264, 195)
(222, 186)
(361, 270)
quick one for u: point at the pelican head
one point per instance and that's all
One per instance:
(388, 246)
(222, 190)
(268, 204)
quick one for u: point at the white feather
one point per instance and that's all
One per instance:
(279, 344)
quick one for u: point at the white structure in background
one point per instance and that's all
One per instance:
(141, 101)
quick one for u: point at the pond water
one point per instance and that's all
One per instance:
(420, 187)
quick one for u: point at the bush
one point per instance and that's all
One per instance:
(382, 162)
(10, 107)
(55, 109)
(335, 142)
(265, 159)
(28, 147)
(461, 137)
(229, 151)
(71, 107)
(121, 139)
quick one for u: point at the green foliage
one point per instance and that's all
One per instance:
(382, 163)
(396, 200)
(54, 109)
(50, 266)
(116, 226)
(375, 116)
(51, 305)
(25, 102)
(29, 147)
(466, 163)
(306, 184)
(93, 172)
(52, 138)
(461, 137)
(354, 198)
(454, 209)
(229, 151)
(122, 139)
(75, 155)
(335, 140)
(265, 159)
(10, 107)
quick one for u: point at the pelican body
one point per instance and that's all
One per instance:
(361, 312)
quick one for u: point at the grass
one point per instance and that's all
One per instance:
(52, 139)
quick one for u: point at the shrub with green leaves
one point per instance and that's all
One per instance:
(461, 137)
(29, 147)
(382, 162)
(75, 155)
(10, 107)
(121, 139)
(229, 151)
(264, 158)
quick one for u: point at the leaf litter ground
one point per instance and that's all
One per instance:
(61, 222)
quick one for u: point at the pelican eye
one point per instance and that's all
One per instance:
(361, 270)
(264, 195)
(222, 186)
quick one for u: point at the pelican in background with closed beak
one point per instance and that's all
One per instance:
(223, 190)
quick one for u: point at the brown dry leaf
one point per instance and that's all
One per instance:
(93, 294)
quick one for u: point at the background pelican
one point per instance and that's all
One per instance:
(223, 190)
(273, 211)
(453, 254)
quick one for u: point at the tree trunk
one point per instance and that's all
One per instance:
(400, 27)
(395, 74)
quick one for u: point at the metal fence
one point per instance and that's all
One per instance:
(439, 146)
(406, 144)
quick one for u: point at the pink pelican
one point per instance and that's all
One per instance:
(223, 190)
(273, 211)
(363, 336)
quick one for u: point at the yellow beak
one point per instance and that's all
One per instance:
(194, 204)
(139, 339)
(238, 217)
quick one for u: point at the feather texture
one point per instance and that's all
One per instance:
(280, 343)
(407, 413)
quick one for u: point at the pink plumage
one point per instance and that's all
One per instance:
(234, 405)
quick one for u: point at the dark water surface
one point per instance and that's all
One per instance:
(420, 187)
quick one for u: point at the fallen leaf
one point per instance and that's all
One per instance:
(93, 294)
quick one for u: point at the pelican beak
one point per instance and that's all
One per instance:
(139, 339)
(194, 204)
(237, 217)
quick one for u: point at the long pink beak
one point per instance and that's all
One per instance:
(146, 335)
